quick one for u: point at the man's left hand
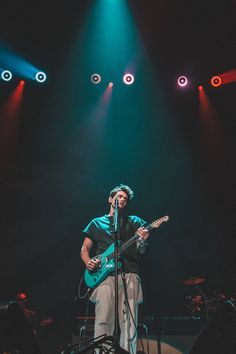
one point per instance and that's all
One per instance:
(143, 233)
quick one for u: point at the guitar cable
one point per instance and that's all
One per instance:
(86, 320)
(82, 297)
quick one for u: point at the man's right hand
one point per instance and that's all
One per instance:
(93, 264)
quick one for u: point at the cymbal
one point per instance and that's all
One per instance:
(194, 281)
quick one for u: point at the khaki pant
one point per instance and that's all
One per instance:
(104, 299)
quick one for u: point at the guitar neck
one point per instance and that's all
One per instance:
(131, 241)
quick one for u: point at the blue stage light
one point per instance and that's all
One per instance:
(40, 76)
(96, 79)
(6, 75)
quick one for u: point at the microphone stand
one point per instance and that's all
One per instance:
(115, 231)
(97, 342)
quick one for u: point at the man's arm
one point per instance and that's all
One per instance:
(90, 264)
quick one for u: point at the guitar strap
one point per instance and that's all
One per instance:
(123, 223)
(122, 228)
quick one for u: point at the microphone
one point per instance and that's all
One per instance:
(115, 216)
(116, 203)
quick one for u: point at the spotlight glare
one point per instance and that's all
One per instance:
(6, 75)
(96, 79)
(128, 79)
(110, 84)
(216, 81)
(200, 87)
(182, 81)
(40, 76)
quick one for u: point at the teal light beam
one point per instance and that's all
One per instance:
(17, 64)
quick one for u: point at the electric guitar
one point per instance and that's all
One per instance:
(107, 263)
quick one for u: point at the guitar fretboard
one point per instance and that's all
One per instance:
(134, 238)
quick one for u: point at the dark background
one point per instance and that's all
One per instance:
(59, 170)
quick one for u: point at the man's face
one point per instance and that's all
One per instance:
(122, 198)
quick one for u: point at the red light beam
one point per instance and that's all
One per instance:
(212, 129)
(8, 118)
(228, 77)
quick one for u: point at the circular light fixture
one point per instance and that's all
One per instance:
(128, 79)
(96, 79)
(216, 81)
(182, 81)
(40, 76)
(6, 75)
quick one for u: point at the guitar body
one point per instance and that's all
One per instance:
(93, 279)
(107, 265)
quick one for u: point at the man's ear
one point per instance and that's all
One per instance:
(110, 200)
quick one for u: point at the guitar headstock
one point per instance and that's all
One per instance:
(159, 221)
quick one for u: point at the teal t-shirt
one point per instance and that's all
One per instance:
(99, 230)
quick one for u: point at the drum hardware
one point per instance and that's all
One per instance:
(199, 303)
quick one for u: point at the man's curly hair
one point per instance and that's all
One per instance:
(124, 188)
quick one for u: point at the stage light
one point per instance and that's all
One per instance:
(21, 296)
(110, 84)
(216, 81)
(6, 75)
(40, 76)
(200, 87)
(96, 79)
(182, 81)
(128, 79)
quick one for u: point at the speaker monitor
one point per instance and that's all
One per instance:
(16, 334)
(219, 334)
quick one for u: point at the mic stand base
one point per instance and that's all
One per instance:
(98, 343)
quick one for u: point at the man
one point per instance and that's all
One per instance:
(98, 237)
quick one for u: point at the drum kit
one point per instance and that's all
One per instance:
(200, 303)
